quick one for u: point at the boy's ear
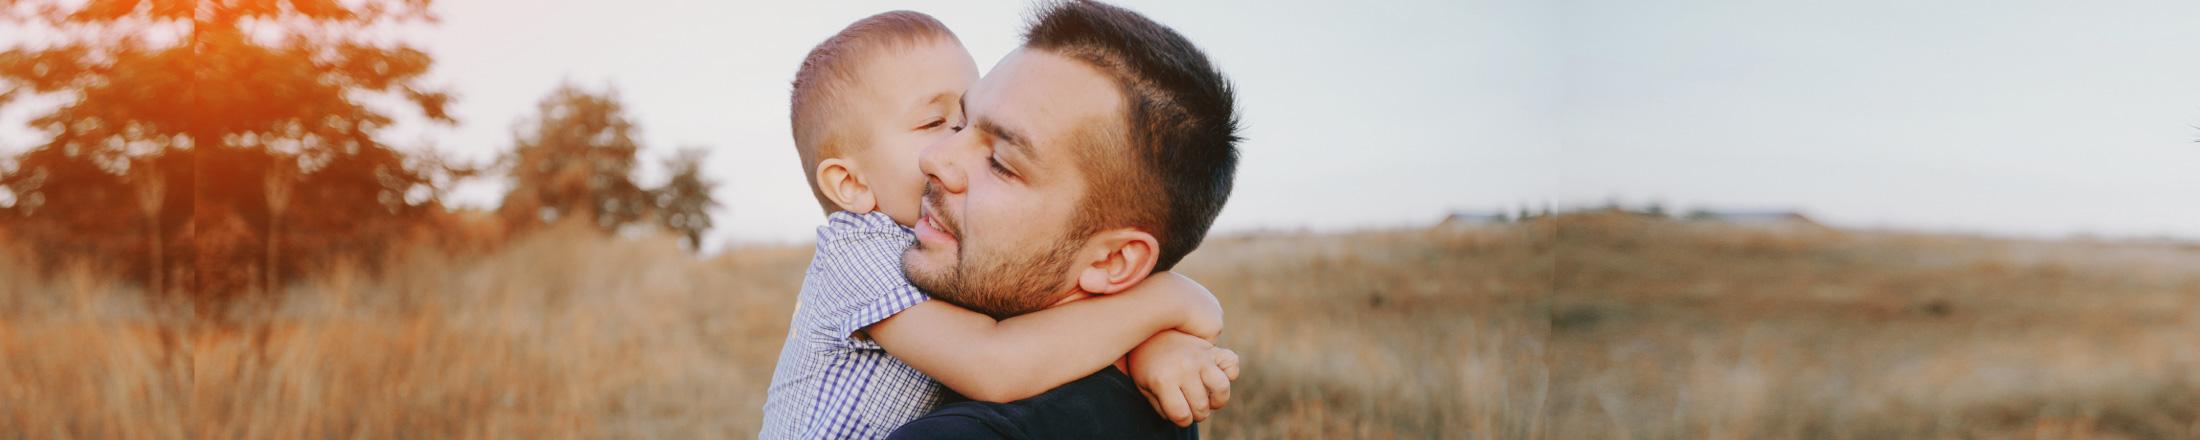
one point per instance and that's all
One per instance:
(843, 184)
(1116, 259)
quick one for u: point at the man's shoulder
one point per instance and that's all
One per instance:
(1103, 405)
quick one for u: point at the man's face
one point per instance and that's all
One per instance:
(994, 232)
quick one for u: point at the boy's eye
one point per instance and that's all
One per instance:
(936, 123)
(998, 167)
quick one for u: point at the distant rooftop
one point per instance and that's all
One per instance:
(1462, 218)
(1773, 216)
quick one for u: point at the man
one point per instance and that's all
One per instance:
(1096, 155)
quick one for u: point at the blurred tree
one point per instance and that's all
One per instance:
(152, 191)
(200, 99)
(575, 157)
(684, 202)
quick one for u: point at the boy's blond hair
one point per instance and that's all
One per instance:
(819, 101)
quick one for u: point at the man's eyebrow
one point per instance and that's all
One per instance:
(1011, 137)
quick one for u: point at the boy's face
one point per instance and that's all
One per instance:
(909, 98)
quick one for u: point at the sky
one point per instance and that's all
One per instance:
(2036, 118)
(2044, 118)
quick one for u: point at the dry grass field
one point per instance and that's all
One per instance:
(570, 334)
(1585, 326)
(1686, 330)
(83, 358)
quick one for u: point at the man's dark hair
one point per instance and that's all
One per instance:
(1180, 125)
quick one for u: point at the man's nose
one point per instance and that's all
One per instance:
(941, 162)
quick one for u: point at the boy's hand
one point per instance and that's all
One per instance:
(1183, 376)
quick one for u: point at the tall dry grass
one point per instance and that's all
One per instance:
(1385, 334)
(1588, 326)
(567, 333)
(82, 357)
(564, 334)
(1690, 330)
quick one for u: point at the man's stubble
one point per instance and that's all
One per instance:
(1000, 286)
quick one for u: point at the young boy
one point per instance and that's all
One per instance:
(865, 102)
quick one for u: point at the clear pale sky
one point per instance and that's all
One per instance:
(2038, 118)
(2023, 117)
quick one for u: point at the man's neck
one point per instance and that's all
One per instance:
(1073, 296)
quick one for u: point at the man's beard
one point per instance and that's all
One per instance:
(997, 287)
(1000, 287)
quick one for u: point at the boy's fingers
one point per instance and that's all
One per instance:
(1173, 406)
(1150, 400)
(1196, 396)
(1218, 387)
(1228, 360)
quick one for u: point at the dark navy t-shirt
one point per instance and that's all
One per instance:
(1103, 405)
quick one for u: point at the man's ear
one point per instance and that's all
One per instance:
(1117, 259)
(843, 184)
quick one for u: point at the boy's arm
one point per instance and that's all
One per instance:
(1008, 360)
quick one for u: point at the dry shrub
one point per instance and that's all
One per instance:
(464, 232)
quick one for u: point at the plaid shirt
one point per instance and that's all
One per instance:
(829, 384)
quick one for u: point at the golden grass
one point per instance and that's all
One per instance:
(83, 358)
(1382, 334)
(565, 334)
(1681, 330)
(1586, 326)
(569, 334)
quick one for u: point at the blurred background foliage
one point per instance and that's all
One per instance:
(216, 148)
